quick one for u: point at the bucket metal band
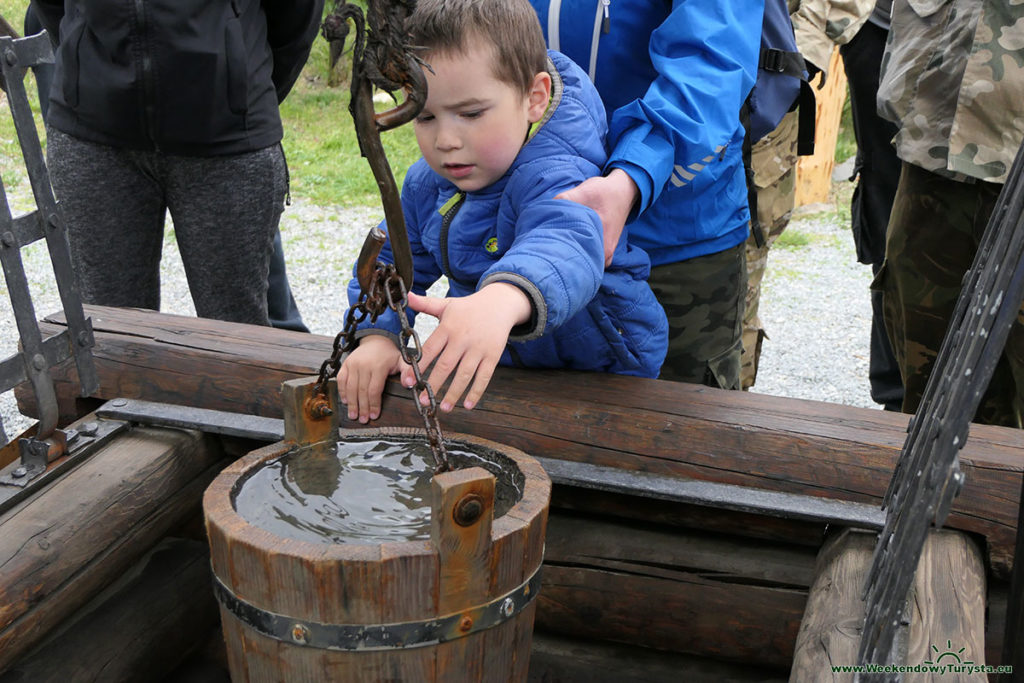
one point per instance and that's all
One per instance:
(365, 637)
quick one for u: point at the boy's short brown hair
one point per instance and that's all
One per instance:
(510, 27)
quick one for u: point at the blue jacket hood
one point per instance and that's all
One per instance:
(585, 316)
(580, 127)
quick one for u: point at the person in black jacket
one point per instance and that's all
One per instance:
(172, 105)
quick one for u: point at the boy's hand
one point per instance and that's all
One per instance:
(469, 340)
(612, 197)
(363, 374)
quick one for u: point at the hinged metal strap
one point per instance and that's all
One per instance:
(37, 355)
(367, 637)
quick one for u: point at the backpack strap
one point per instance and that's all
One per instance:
(793, 64)
(748, 167)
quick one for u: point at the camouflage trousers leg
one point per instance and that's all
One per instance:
(703, 299)
(773, 159)
(934, 233)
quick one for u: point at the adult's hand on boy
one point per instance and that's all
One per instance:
(469, 339)
(612, 197)
(363, 374)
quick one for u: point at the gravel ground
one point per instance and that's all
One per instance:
(815, 302)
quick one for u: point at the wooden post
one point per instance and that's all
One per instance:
(947, 609)
(814, 173)
(831, 628)
(308, 417)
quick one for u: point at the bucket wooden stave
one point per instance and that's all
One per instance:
(359, 587)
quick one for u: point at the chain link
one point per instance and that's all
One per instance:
(387, 291)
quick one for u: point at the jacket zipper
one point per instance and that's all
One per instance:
(554, 16)
(601, 22)
(446, 223)
(148, 86)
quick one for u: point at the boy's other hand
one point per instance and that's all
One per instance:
(612, 197)
(363, 374)
(469, 339)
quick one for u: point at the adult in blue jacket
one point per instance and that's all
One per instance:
(483, 224)
(675, 170)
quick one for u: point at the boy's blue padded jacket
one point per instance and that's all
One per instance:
(673, 108)
(585, 317)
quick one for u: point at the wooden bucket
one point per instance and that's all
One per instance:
(458, 607)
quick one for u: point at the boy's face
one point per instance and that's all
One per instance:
(473, 125)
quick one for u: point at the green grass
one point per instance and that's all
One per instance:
(846, 143)
(792, 238)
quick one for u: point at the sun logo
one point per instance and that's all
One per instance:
(492, 245)
(955, 654)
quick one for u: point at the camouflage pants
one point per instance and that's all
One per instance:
(773, 160)
(703, 299)
(934, 232)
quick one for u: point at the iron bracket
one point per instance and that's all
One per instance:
(43, 460)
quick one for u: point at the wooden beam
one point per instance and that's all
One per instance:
(646, 585)
(789, 445)
(556, 659)
(946, 609)
(61, 547)
(136, 630)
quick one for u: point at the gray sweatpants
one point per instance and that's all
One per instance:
(225, 212)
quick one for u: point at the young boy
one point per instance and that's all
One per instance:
(506, 127)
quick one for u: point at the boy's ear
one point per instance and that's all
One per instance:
(539, 96)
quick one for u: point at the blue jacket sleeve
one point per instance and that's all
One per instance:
(705, 53)
(425, 268)
(557, 252)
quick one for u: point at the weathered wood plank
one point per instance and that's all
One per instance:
(768, 442)
(679, 612)
(556, 659)
(136, 630)
(62, 546)
(661, 587)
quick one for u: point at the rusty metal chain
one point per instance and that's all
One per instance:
(387, 291)
(412, 356)
(381, 57)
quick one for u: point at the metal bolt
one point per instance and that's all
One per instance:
(466, 624)
(11, 57)
(84, 338)
(119, 402)
(89, 428)
(300, 634)
(7, 239)
(19, 473)
(52, 221)
(468, 510)
(507, 607)
(38, 361)
(320, 408)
